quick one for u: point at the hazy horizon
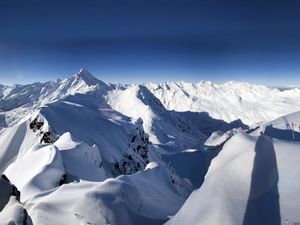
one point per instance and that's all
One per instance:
(141, 41)
(67, 76)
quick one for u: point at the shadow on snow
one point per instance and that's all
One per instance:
(263, 204)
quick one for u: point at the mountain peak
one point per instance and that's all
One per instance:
(84, 71)
(87, 77)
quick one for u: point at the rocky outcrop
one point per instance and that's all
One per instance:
(136, 157)
(45, 134)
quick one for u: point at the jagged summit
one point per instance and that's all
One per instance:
(84, 72)
(86, 76)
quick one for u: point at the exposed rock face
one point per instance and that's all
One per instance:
(7, 189)
(136, 158)
(46, 135)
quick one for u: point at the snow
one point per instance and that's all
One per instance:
(46, 173)
(286, 127)
(18, 101)
(180, 130)
(14, 141)
(81, 151)
(14, 213)
(218, 138)
(91, 126)
(164, 127)
(229, 101)
(286, 122)
(253, 180)
(124, 200)
(81, 161)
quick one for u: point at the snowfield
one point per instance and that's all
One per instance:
(80, 151)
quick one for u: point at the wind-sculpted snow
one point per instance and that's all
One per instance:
(131, 199)
(40, 169)
(81, 161)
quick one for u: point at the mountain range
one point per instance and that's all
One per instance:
(81, 151)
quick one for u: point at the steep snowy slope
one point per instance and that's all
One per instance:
(15, 141)
(230, 101)
(163, 126)
(180, 129)
(253, 180)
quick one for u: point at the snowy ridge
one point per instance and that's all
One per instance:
(229, 101)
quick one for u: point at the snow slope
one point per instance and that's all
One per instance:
(15, 141)
(253, 180)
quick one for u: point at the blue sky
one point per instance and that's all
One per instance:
(140, 40)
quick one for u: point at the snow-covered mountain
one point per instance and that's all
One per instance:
(20, 100)
(229, 101)
(80, 151)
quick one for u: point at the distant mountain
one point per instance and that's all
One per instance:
(229, 101)
(18, 101)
